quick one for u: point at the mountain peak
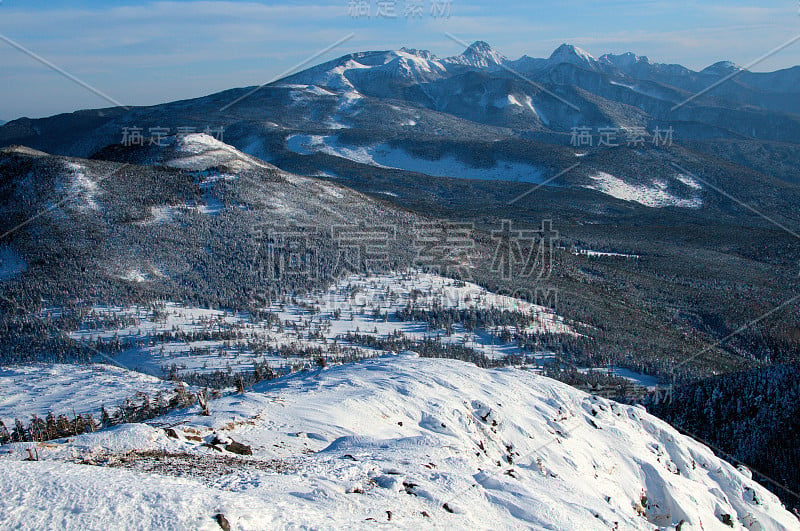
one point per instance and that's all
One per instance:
(567, 53)
(424, 54)
(480, 54)
(722, 67)
(624, 60)
(478, 47)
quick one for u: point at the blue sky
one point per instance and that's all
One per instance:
(147, 52)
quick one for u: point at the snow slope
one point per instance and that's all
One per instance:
(199, 151)
(384, 156)
(656, 195)
(392, 442)
(63, 389)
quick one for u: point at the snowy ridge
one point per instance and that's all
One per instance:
(722, 68)
(199, 152)
(398, 440)
(479, 55)
(420, 66)
(411, 63)
(567, 53)
(625, 60)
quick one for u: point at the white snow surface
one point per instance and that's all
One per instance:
(689, 181)
(479, 55)
(384, 156)
(655, 195)
(63, 388)
(567, 53)
(82, 190)
(395, 442)
(594, 254)
(347, 306)
(199, 152)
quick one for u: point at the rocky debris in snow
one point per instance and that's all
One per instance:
(222, 521)
(239, 448)
(183, 464)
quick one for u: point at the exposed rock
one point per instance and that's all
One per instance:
(222, 521)
(239, 448)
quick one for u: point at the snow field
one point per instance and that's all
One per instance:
(63, 388)
(399, 441)
(348, 306)
(384, 156)
(655, 195)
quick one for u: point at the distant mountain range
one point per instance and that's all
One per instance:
(482, 85)
(529, 137)
(475, 137)
(367, 98)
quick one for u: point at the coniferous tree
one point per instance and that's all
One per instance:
(105, 418)
(5, 436)
(20, 433)
(51, 428)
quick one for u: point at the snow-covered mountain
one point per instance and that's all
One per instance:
(567, 53)
(191, 152)
(478, 55)
(478, 94)
(398, 441)
(194, 213)
(178, 236)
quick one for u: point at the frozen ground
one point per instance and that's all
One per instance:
(394, 442)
